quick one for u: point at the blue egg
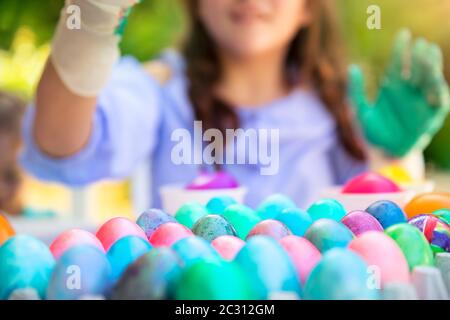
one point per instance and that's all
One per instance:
(268, 267)
(326, 234)
(327, 209)
(273, 206)
(82, 270)
(298, 221)
(217, 205)
(151, 219)
(341, 275)
(25, 262)
(387, 213)
(124, 252)
(193, 249)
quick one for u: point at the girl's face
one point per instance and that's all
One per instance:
(246, 28)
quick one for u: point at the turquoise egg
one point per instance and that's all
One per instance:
(25, 262)
(327, 209)
(151, 277)
(124, 252)
(217, 205)
(151, 219)
(340, 275)
(242, 218)
(387, 213)
(273, 206)
(193, 249)
(189, 213)
(326, 234)
(213, 226)
(297, 220)
(268, 267)
(82, 270)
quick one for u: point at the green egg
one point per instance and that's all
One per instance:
(443, 214)
(190, 213)
(206, 280)
(327, 234)
(327, 209)
(212, 226)
(242, 218)
(273, 206)
(413, 244)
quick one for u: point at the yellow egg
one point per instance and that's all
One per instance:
(397, 174)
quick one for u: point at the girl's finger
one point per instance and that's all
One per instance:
(401, 55)
(419, 62)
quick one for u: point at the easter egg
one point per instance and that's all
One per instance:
(212, 226)
(117, 228)
(387, 213)
(444, 215)
(413, 244)
(370, 182)
(81, 271)
(25, 262)
(151, 219)
(327, 209)
(427, 203)
(359, 222)
(326, 234)
(227, 246)
(396, 173)
(6, 230)
(436, 231)
(242, 218)
(340, 275)
(74, 237)
(124, 252)
(268, 267)
(206, 280)
(189, 213)
(273, 205)
(380, 251)
(193, 249)
(151, 277)
(302, 253)
(297, 221)
(217, 205)
(169, 233)
(213, 180)
(271, 228)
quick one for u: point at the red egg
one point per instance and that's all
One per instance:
(383, 256)
(370, 182)
(303, 254)
(71, 238)
(271, 228)
(227, 246)
(169, 233)
(117, 228)
(359, 222)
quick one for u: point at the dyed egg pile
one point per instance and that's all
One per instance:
(226, 250)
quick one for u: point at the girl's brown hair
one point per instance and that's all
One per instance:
(316, 53)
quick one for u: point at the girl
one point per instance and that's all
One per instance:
(262, 64)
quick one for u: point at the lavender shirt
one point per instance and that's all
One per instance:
(136, 116)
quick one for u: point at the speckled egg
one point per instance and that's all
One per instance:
(327, 234)
(387, 213)
(242, 218)
(359, 222)
(327, 209)
(213, 226)
(436, 231)
(271, 228)
(151, 219)
(273, 206)
(189, 213)
(297, 220)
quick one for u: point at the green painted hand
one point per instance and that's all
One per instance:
(413, 100)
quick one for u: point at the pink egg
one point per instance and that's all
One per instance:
(370, 182)
(359, 222)
(169, 233)
(227, 246)
(381, 252)
(71, 238)
(303, 254)
(271, 228)
(117, 228)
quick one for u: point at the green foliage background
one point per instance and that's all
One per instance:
(156, 24)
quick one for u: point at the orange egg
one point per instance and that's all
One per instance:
(427, 203)
(6, 231)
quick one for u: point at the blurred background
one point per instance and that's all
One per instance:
(26, 28)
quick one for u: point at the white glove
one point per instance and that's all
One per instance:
(83, 54)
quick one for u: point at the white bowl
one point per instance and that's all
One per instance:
(175, 195)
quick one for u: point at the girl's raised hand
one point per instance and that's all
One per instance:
(413, 100)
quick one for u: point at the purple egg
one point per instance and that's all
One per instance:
(360, 221)
(435, 230)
